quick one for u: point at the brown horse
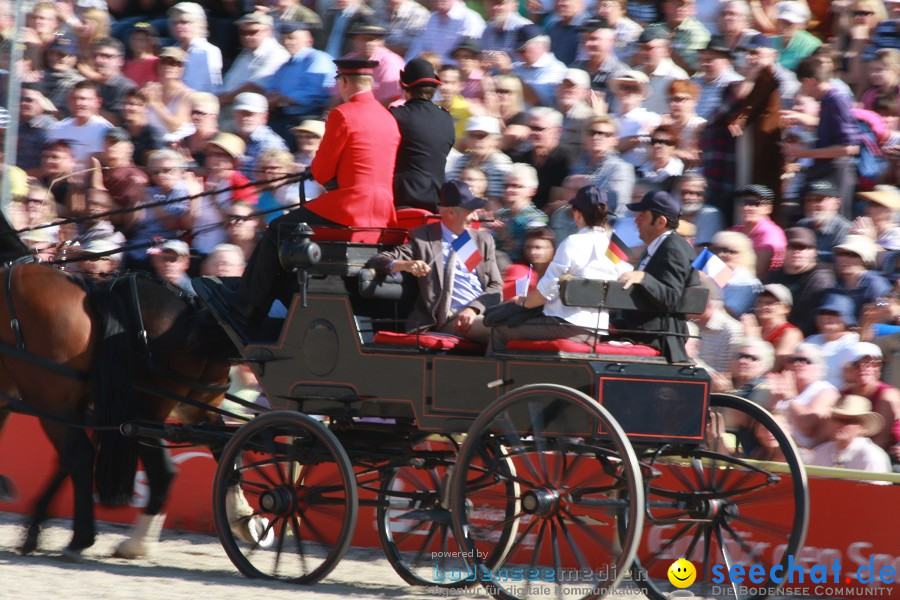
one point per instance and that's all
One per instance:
(89, 338)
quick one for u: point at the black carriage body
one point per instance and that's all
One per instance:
(324, 364)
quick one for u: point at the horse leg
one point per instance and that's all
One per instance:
(41, 510)
(146, 530)
(7, 489)
(79, 462)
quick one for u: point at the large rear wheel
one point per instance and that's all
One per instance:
(577, 477)
(717, 504)
(288, 475)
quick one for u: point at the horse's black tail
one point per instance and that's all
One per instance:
(117, 455)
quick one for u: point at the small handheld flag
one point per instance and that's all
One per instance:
(712, 265)
(617, 251)
(467, 251)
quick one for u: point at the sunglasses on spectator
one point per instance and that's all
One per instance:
(200, 113)
(863, 13)
(799, 247)
(661, 142)
(515, 186)
(723, 250)
(478, 135)
(752, 201)
(503, 91)
(750, 357)
(870, 363)
(799, 360)
(106, 55)
(171, 61)
(235, 220)
(601, 133)
(168, 257)
(679, 98)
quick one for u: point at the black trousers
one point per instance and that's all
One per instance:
(265, 279)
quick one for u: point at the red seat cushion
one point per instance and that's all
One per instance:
(564, 345)
(561, 345)
(410, 218)
(392, 237)
(432, 341)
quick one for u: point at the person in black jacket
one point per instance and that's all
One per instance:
(426, 137)
(662, 274)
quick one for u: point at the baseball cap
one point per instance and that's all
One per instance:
(657, 201)
(177, 246)
(457, 193)
(779, 292)
(483, 123)
(854, 352)
(588, 197)
(792, 12)
(717, 44)
(173, 52)
(64, 44)
(822, 187)
(842, 305)
(467, 44)
(251, 102)
(255, 18)
(595, 23)
(861, 246)
(653, 33)
(288, 27)
(117, 134)
(578, 77)
(526, 33)
(800, 236)
(312, 126)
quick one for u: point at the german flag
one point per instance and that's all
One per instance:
(617, 250)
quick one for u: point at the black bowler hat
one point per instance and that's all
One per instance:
(589, 197)
(418, 72)
(457, 193)
(658, 202)
(355, 66)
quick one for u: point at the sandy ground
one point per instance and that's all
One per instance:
(184, 565)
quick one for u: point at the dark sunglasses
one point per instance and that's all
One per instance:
(723, 250)
(799, 247)
(595, 132)
(864, 362)
(752, 201)
(661, 142)
(799, 360)
(748, 357)
(863, 13)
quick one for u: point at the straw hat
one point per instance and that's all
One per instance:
(859, 409)
(230, 143)
(885, 195)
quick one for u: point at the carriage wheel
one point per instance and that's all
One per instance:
(716, 506)
(414, 521)
(577, 476)
(301, 489)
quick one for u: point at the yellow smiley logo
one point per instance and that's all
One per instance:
(682, 573)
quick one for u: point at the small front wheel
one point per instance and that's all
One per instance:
(285, 499)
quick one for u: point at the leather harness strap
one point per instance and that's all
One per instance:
(13, 318)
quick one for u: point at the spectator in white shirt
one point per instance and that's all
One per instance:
(654, 57)
(260, 58)
(539, 69)
(85, 130)
(851, 425)
(635, 121)
(505, 22)
(661, 160)
(449, 23)
(203, 69)
(404, 19)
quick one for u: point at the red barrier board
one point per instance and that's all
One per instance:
(854, 522)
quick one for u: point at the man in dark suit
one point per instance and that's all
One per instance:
(357, 152)
(452, 295)
(662, 274)
(426, 136)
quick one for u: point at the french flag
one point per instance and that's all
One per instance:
(712, 265)
(467, 251)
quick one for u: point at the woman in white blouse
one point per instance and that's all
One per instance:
(582, 254)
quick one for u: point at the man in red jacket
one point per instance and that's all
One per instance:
(355, 162)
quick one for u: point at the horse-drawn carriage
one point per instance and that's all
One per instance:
(552, 468)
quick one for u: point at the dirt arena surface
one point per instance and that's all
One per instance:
(184, 565)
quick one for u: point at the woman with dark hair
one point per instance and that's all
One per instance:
(582, 254)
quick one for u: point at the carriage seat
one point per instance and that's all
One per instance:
(429, 341)
(595, 293)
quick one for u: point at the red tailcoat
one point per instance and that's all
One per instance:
(360, 149)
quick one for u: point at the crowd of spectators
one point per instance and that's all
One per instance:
(775, 124)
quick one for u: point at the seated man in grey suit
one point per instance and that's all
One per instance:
(453, 295)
